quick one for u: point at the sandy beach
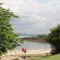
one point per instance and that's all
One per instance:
(17, 54)
(29, 52)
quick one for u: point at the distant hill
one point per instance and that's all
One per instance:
(23, 34)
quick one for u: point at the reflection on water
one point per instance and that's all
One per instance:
(33, 45)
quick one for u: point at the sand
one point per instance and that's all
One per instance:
(43, 51)
(17, 54)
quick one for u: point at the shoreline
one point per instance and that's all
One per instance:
(33, 39)
(30, 53)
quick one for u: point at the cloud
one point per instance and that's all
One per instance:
(36, 16)
(38, 19)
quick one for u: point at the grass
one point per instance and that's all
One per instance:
(53, 57)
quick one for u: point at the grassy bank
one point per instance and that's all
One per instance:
(53, 57)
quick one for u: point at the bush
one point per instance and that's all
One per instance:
(54, 39)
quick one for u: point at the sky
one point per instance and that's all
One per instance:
(36, 16)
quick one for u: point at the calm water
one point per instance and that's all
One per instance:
(33, 45)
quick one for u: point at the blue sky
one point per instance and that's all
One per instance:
(36, 16)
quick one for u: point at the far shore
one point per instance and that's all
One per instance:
(33, 39)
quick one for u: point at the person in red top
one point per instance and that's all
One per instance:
(25, 50)
(22, 49)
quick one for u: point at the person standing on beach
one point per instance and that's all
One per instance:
(24, 50)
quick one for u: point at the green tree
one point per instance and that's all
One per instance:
(8, 38)
(54, 39)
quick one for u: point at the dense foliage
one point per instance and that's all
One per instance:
(8, 38)
(43, 36)
(54, 39)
